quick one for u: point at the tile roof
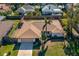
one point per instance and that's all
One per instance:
(33, 30)
(5, 26)
(4, 7)
(26, 8)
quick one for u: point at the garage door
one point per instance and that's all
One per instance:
(26, 40)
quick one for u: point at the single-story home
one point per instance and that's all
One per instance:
(52, 10)
(26, 8)
(4, 7)
(30, 31)
(5, 27)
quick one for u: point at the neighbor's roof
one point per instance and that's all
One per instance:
(33, 30)
(4, 7)
(49, 7)
(5, 26)
(2, 17)
(26, 8)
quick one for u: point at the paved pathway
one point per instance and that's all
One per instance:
(25, 49)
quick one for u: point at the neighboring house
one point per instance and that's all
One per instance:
(5, 27)
(2, 18)
(31, 31)
(52, 10)
(25, 9)
(4, 7)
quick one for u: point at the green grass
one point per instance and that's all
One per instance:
(15, 50)
(55, 51)
(35, 52)
(10, 48)
(14, 27)
(64, 22)
(6, 49)
(52, 51)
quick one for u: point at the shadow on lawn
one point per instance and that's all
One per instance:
(42, 53)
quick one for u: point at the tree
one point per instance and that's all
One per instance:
(70, 18)
(72, 41)
(15, 6)
(44, 33)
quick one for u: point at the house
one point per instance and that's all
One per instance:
(26, 8)
(4, 7)
(30, 31)
(2, 18)
(52, 10)
(5, 27)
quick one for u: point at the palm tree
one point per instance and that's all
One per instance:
(43, 33)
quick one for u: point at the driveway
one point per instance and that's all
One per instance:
(25, 49)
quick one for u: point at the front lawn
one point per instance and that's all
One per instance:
(12, 48)
(5, 49)
(35, 52)
(56, 50)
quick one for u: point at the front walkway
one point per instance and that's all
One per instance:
(25, 49)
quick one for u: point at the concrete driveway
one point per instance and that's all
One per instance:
(25, 49)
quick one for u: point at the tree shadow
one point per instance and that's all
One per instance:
(37, 44)
(7, 41)
(17, 46)
(68, 51)
(42, 53)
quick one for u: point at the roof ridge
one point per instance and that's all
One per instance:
(35, 30)
(57, 27)
(21, 31)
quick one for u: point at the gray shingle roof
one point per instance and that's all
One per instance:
(26, 8)
(51, 9)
